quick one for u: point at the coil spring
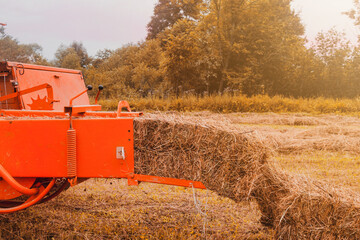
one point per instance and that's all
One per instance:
(71, 153)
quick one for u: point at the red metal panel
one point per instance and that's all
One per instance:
(65, 85)
(33, 148)
(97, 140)
(37, 148)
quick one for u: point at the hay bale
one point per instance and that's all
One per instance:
(227, 162)
(224, 161)
(316, 210)
(235, 165)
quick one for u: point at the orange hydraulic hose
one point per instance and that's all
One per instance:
(30, 203)
(55, 194)
(17, 186)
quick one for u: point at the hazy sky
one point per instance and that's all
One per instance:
(112, 23)
(321, 15)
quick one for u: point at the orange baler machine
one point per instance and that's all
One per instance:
(50, 136)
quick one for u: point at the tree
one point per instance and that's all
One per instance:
(114, 72)
(148, 72)
(225, 16)
(80, 50)
(182, 57)
(333, 51)
(277, 43)
(354, 14)
(101, 56)
(133, 70)
(71, 60)
(12, 50)
(2, 31)
(352, 70)
(253, 41)
(168, 12)
(73, 56)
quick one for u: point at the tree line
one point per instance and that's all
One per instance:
(215, 47)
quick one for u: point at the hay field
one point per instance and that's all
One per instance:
(323, 147)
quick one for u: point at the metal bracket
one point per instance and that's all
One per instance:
(120, 153)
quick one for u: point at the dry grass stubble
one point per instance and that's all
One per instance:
(109, 209)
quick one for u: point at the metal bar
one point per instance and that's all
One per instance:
(43, 68)
(168, 181)
(55, 113)
(32, 113)
(30, 90)
(72, 99)
(81, 108)
(5, 90)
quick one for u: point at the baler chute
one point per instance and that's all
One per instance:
(50, 136)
